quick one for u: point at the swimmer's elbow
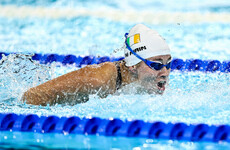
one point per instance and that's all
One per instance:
(33, 98)
(27, 97)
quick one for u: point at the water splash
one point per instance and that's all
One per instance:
(19, 72)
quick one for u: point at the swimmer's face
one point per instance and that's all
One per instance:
(154, 81)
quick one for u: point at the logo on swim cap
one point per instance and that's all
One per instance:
(146, 43)
(133, 39)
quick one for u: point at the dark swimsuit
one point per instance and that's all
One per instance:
(119, 79)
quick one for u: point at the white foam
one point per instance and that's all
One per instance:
(116, 15)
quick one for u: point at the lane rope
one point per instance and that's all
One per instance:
(114, 127)
(177, 64)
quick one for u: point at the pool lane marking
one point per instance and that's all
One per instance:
(116, 15)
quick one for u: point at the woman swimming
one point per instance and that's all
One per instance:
(147, 62)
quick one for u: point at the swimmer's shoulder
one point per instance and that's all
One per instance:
(103, 74)
(108, 66)
(104, 69)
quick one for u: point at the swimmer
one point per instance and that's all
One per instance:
(147, 62)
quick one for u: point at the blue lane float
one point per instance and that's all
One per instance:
(177, 64)
(114, 127)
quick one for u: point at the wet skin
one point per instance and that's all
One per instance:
(152, 80)
(74, 87)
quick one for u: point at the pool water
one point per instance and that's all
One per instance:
(57, 141)
(191, 97)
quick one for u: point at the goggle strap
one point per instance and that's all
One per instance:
(129, 48)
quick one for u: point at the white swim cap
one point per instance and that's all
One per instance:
(146, 43)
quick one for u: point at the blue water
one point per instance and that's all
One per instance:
(192, 97)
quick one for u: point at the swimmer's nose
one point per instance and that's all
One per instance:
(164, 72)
(164, 69)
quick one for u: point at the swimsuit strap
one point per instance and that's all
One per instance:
(119, 79)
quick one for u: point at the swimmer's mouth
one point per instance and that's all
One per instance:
(161, 86)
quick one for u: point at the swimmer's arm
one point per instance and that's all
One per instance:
(100, 79)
